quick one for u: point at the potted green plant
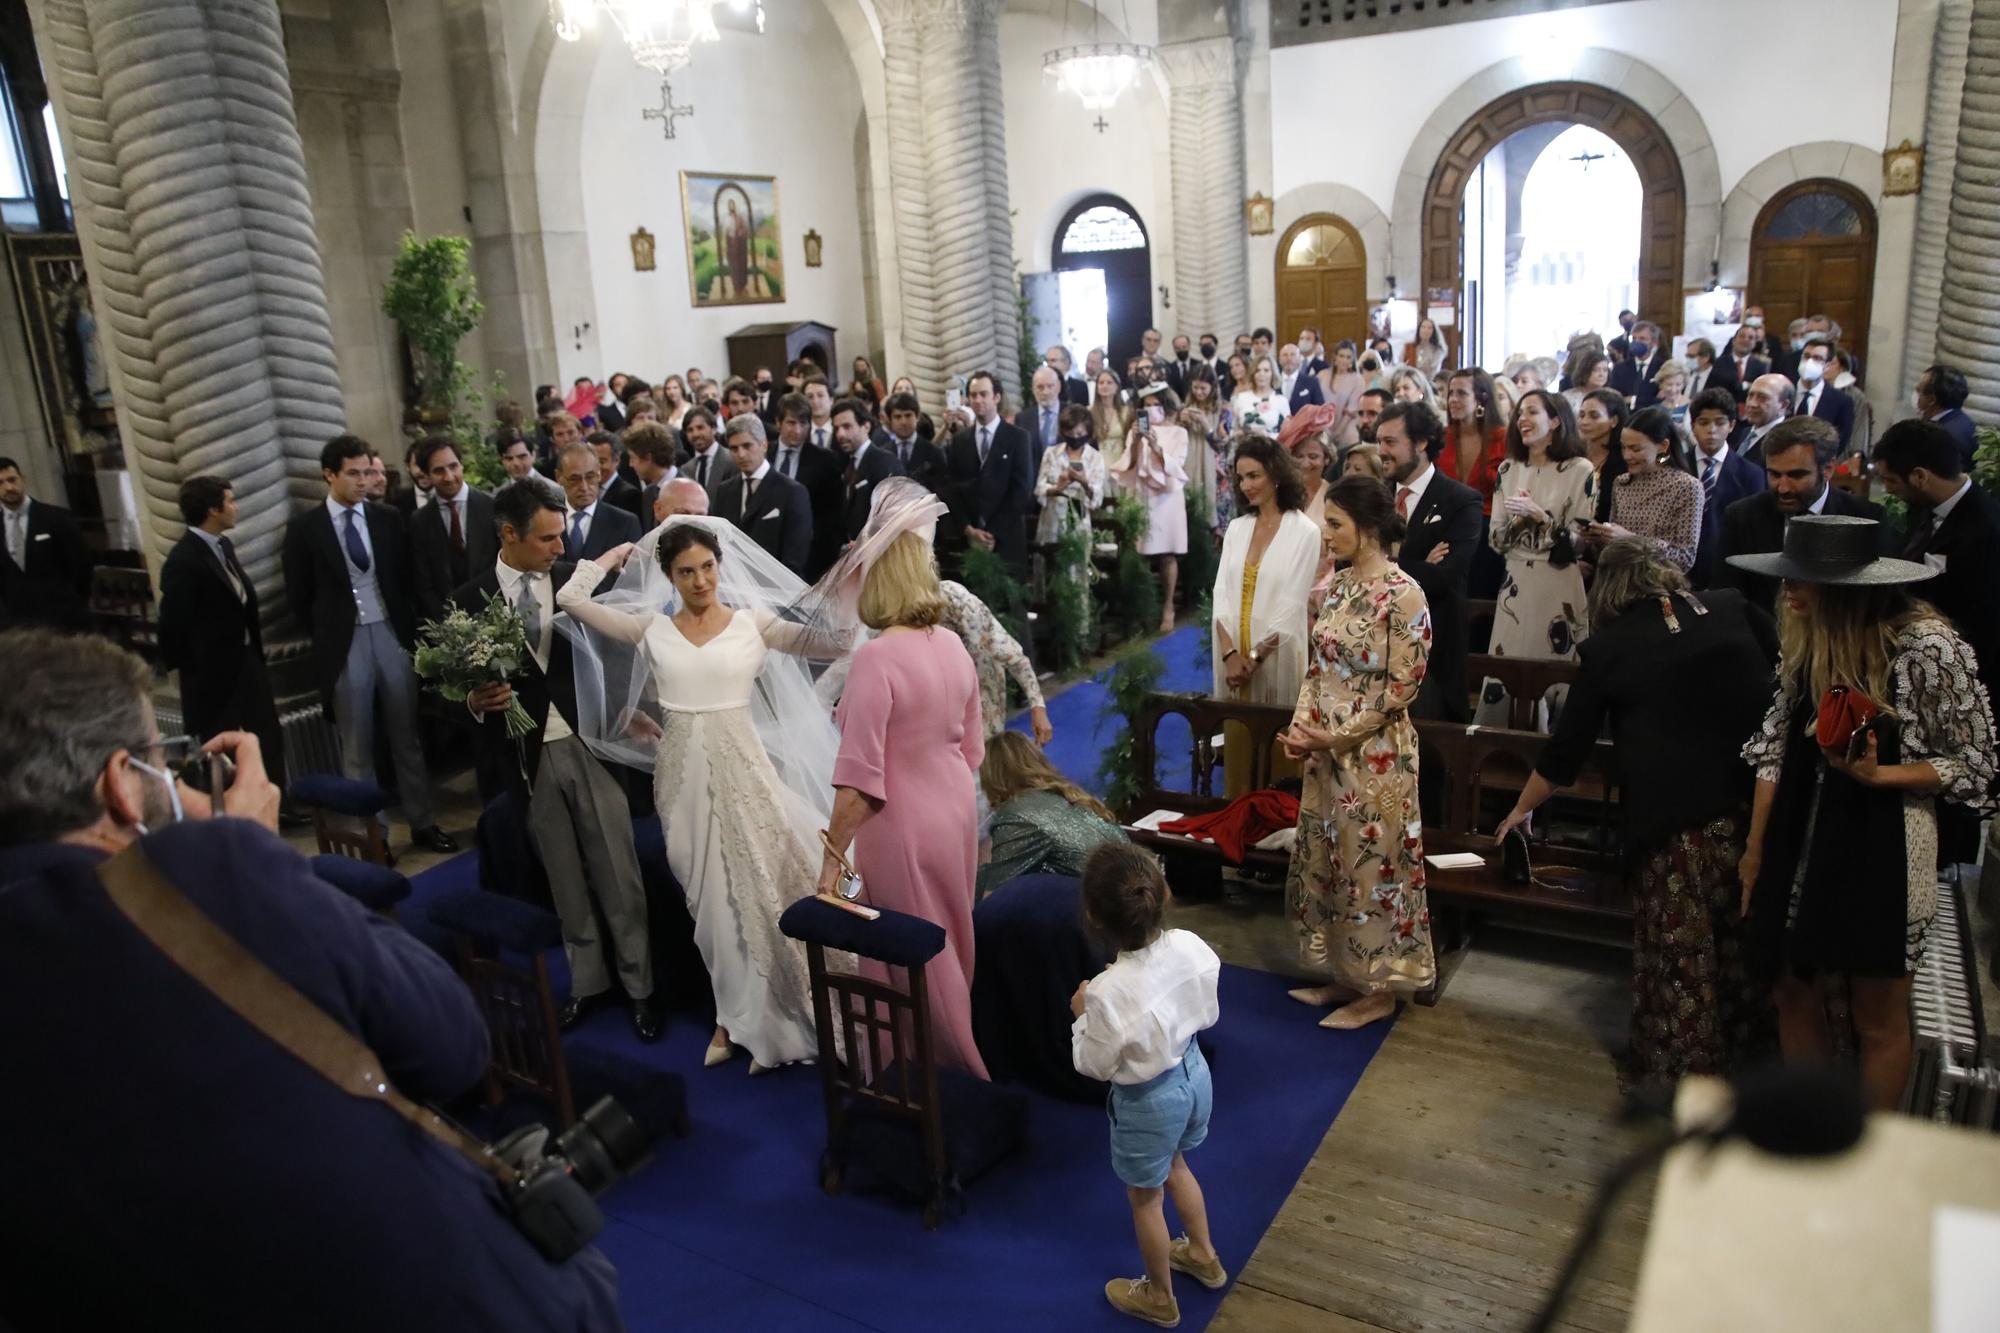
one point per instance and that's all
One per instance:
(432, 296)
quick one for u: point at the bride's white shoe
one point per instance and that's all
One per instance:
(717, 1055)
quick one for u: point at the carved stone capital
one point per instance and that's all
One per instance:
(1208, 62)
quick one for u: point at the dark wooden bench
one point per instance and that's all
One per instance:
(1576, 855)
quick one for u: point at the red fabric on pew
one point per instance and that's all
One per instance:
(1240, 824)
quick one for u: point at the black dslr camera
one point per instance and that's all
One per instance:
(554, 1198)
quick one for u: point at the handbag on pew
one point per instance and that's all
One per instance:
(1517, 865)
(849, 887)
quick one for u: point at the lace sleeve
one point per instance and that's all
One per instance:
(986, 640)
(1765, 750)
(1947, 718)
(574, 597)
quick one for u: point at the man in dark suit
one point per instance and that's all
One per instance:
(1955, 529)
(1941, 395)
(921, 460)
(175, 1074)
(1442, 533)
(1300, 386)
(1741, 363)
(1799, 454)
(1074, 387)
(415, 492)
(816, 469)
(1178, 367)
(867, 464)
(577, 810)
(209, 631)
(989, 478)
(590, 527)
(766, 504)
(653, 453)
(1312, 352)
(44, 565)
(1768, 402)
(1724, 475)
(701, 450)
(1785, 356)
(452, 536)
(1643, 356)
(1040, 419)
(347, 576)
(611, 465)
(1816, 395)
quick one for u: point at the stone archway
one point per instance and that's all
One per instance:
(1635, 82)
(1852, 163)
(1663, 214)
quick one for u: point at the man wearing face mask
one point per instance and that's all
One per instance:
(1785, 361)
(1817, 397)
(1209, 349)
(1644, 357)
(329, 1199)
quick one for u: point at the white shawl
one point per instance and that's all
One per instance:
(1284, 577)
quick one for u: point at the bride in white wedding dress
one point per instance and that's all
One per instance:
(686, 684)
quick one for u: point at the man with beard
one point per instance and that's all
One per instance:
(1798, 455)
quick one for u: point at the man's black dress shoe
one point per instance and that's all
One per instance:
(290, 821)
(434, 838)
(577, 1008)
(645, 1020)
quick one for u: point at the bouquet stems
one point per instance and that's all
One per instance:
(519, 723)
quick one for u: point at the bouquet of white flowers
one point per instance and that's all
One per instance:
(462, 651)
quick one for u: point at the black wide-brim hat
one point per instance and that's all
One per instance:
(1833, 548)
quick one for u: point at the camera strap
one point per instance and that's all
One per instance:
(266, 1001)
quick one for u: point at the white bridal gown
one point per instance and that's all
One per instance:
(736, 836)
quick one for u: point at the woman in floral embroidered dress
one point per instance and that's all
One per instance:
(1356, 884)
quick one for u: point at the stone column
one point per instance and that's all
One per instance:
(1205, 137)
(1941, 130)
(189, 183)
(1969, 306)
(948, 186)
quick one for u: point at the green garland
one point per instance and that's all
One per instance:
(1134, 600)
(987, 577)
(1986, 460)
(1135, 675)
(1067, 599)
(1199, 564)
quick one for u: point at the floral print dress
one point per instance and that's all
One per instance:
(1356, 883)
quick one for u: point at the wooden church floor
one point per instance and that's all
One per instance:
(1446, 1194)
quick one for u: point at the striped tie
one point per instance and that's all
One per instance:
(1708, 481)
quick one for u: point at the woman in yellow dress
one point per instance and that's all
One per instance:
(1356, 883)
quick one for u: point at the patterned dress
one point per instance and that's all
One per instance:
(1356, 883)
(1665, 505)
(995, 654)
(1541, 611)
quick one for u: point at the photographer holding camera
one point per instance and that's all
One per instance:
(184, 1166)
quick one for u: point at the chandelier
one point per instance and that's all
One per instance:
(1098, 73)
(661, 34)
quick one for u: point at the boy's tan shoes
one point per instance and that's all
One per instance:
(1210, 1275)
(1135, 1296)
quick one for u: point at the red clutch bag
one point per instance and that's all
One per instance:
(1842, 712)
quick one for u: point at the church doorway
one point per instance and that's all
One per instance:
(1322, 280)
(1473, 213)
(1103, 232)
(1812, 252)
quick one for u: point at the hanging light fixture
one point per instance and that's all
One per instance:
(661, 34)
(1098, 72)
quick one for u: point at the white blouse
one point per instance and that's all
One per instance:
(1269, 409)
(1284, 579)
(1140, 1013)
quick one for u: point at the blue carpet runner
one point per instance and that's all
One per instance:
(728, 1229)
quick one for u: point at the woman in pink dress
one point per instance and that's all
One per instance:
(911, 743)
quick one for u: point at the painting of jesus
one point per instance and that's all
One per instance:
(735, 256)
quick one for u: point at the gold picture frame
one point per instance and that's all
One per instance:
(1902, 169)
(643, 251)
(735, 251)
(1258, 212)
(813, 249)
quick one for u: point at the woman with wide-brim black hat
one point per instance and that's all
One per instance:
(1840, 879)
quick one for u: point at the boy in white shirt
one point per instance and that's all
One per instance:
(1135, 1027)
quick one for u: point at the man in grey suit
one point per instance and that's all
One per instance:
(591, 527)
(771, 508)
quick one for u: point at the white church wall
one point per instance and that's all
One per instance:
(1055, 156)
(785, 105)
(1758, 82)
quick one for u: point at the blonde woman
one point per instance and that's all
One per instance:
(1407, 384)
(674, 401)
(1264, 406)
(1043, 824)
(1840, 876)
(1110, 418)
(1343, 383)
(1670, 390)
(911, 741)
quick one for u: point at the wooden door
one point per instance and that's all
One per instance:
(1322, 280)
(1812, 252)
(1104, 232)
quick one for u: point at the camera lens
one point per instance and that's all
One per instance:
(603, 1145)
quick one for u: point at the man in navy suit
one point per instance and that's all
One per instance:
(1816, 395)
(921, 460)
(1799, 454)
(331, 1204)
(1725, 475)
(1300, 386)
(347, 576)
(868, 464)
(591, 527)
(44, 565)
(1741, 363)
(1941, 395)
(1312, 358)
(1644, 354)
(989, 479)
(1041, 418)
(771, 508)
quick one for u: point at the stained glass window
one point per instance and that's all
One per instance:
(1820, 213)
(1104, 227)
(1320, 245)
